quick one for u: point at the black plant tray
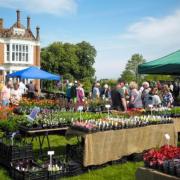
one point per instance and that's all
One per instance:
(25, 129)
(83, 129)
(40, 174)
(11, 153)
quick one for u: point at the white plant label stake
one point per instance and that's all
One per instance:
(51, 153)
(107, 106)
(80, 108)
(151, 106)
(167, 137)
(12, 138)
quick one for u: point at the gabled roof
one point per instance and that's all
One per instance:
(15, 25)
(8, 33)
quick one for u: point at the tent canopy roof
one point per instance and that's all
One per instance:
(169, 64)
(34, 73)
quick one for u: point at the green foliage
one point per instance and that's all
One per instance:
(153, 77)
(11, 124)
(72, 61)
(87, 84)
(86, 55)
(109, 82)
(130, 73)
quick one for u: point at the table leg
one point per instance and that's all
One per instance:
(47, 137)
(32, 139)
(40, 146)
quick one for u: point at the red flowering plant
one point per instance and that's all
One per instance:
(155, 158)
(5, 111)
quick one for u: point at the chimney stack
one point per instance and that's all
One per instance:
(28, 23)
(18, 19)
(1, 23)
(37, 33)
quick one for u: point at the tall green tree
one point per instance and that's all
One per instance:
(130, 73)
(72, 61)
(86, 54)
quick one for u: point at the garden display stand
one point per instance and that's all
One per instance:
(104, 146)
(41, 135)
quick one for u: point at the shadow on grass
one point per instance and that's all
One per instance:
(59, 153)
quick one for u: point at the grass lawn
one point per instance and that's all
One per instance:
(115, 172)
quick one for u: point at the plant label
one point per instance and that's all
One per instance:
(107, 106)
(50, 153)
(80, 108)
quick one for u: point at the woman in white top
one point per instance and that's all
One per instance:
(15, 95)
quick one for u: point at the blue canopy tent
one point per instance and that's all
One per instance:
(34, 73)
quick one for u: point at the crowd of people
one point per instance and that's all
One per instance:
(11, 93)
(124, 96)
(75, 93)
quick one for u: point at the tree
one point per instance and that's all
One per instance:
(130, 73)
(73, 61)
(86, 55)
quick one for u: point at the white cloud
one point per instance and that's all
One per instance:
(56, 7)
(155, 32)
(152, 37)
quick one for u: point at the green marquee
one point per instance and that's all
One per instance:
(169, 65)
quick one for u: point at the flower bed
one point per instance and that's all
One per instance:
(166, 159)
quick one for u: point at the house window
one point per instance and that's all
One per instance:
(20, 53)
(7, 52)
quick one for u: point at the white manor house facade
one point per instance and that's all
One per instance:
(19, 47)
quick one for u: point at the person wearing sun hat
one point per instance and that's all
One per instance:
(106, 92)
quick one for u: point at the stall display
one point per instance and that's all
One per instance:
(105, 124)
(104, 146)
(165, 159)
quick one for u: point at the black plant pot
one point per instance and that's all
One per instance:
(171, 168)
(166, 167)
(160, 168)
(177, 167)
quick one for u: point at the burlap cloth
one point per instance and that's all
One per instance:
(102, 147)
(177, 124)
(150, 174)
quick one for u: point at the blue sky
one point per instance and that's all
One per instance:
(117, 28)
